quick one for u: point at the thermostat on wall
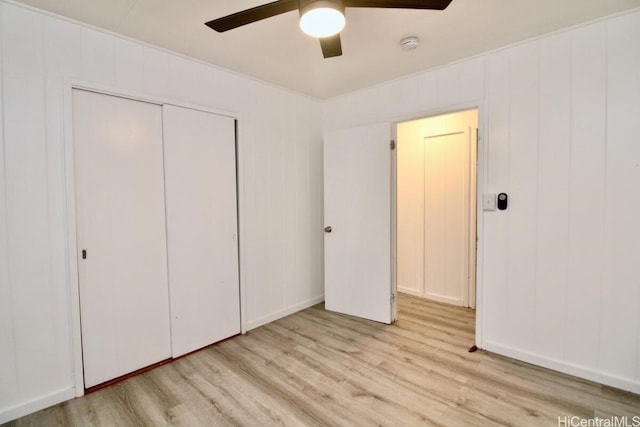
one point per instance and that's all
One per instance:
(502, 201)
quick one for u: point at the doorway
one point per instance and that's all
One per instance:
(436, 195)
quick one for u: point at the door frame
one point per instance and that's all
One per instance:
(70, 205)
(481, 181)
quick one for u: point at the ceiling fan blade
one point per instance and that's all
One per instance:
(400, 4)
(331, 46)
(252, 15)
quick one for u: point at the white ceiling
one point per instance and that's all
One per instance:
(276, 51)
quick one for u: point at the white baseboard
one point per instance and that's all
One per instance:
(410, 291)
(283, 313)
(25, 408)
(433, 297)
(444, 299)
(564, 367)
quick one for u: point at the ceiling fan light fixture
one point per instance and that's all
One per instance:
(322, 18)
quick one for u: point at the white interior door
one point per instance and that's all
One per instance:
(357, 207)
(121, 229)
(200, 170)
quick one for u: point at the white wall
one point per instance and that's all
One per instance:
(559, 273)
(281, 194)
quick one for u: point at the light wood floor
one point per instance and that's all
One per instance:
(318, 368)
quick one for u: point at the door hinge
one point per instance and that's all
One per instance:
(392, 145)
(393, 298)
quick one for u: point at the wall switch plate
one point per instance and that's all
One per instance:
(488, 202)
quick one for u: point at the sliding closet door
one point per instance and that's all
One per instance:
(121, 235)
(200, 168)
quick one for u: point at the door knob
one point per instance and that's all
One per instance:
(327, 229)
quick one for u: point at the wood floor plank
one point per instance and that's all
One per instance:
(319, 368)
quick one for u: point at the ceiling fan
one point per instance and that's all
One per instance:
(323, 19)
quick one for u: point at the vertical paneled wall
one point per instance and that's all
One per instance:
(281, 187)
(559, 273)
(561, 278)
(619, 334)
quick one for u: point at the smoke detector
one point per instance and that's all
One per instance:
(409, 43)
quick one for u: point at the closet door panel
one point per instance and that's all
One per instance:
(447, 217)
(121, 229)
(200, 185)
